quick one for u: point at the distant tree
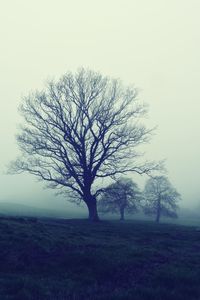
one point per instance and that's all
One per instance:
(161, 198)
(120, 196)
(81, 128)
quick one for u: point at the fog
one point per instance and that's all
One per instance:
(153, 44)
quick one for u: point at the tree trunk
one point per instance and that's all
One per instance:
(158, 212)
(121, 214)
(158, 216)
(92, 209)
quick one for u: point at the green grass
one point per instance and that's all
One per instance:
(74, 259)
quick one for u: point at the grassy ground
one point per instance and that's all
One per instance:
(73, 259)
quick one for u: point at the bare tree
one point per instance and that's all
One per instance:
(120, 196)
(161, 198)
(81, 128)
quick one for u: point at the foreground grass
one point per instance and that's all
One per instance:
(73, 259)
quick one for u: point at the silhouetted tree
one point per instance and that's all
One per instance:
(120, 196)
(160, 198)
(81, 128)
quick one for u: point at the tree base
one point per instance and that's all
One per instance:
(94, 220)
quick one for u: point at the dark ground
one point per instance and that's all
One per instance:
(73, 259)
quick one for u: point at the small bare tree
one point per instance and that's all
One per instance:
(81, 128)
(161, 198)
(120, 196)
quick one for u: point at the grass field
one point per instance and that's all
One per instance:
(74, 259)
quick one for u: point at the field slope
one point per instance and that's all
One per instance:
(73, 259)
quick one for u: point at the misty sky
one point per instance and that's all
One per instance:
(152, 44)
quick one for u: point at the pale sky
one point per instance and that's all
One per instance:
(153, 44)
